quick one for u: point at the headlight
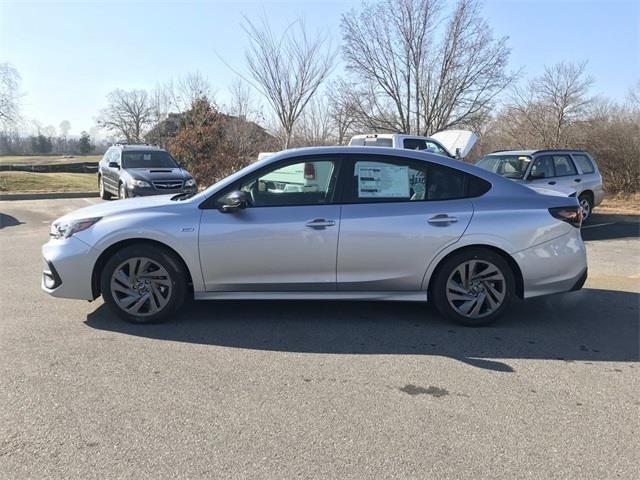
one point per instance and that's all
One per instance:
(66, 229)
(190, 183)
(138, 183)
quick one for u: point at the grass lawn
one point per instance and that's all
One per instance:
(624, 204)
(18, 182)
(47, 159)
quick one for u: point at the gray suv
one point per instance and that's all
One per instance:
(141, 170)
(573, 173)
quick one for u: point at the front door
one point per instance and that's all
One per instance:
(397, 216)
(285, 239)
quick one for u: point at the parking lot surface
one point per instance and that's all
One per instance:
(319, 389)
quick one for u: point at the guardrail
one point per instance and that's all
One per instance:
(78, 167)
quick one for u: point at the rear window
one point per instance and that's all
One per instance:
(584, 163)
(149, 159)
(509, 166)
(422, 144)
(371, 142)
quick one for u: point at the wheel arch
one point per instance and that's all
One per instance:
(515, 268)
(589, 193)
(112, 249)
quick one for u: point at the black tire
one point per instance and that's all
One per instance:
(446, 269)
(104, 195)
(164, 258)
(122, 191)
(586, 202)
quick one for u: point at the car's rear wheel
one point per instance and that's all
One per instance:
(587, 206)
(103, 193)
(473, 287)
(122, 191)
(143, 284)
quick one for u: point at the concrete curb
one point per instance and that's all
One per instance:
(46, 196)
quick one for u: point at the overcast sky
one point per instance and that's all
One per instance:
(71, 54)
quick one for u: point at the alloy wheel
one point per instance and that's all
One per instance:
(586, 208)
(141, 286)
(476, 288)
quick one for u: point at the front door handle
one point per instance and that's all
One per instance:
(552, 183)
(442, 220)
(320, 223)
(577, 180)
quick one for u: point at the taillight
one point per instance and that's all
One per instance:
(309, 171)
(571, 215)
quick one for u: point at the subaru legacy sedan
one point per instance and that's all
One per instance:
(383, 224)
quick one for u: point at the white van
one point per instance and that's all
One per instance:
(451, 143)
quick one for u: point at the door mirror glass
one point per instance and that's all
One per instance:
(234, 201)
(114, 165)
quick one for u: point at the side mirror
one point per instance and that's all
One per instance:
(234, 201)
(114, 165)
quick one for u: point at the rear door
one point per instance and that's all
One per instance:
(397, 214)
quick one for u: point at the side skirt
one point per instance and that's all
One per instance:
(418, 296)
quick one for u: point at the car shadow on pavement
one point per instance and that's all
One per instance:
(589, 325)
(8, 221)
(611, 227)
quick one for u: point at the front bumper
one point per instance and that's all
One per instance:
(559, 265)
(68, 268)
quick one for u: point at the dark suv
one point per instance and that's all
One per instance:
(141, 170)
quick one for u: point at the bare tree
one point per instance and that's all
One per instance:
(128, 114)
(177, 96)
(315, 125)
(10, 95)
(287, 69)
(549, 105)
(408, 80)
(241, 127)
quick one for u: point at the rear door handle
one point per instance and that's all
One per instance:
(577, 180)
(442, 220)
(552, 183)
(320, 223)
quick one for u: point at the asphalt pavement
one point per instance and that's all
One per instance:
(319, 389)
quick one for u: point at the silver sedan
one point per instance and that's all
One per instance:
(350, 223)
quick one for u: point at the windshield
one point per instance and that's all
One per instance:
(147, 160)
(510, 166)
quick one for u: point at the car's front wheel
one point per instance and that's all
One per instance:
(473, 287)
(143, 283)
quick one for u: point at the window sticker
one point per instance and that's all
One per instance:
(383, 181)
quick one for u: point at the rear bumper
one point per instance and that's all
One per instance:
(68, 267)
(559, 265)
(598, 196)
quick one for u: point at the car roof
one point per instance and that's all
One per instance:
(393, 152)
(535, 152)
(505, 185)
(139, 146)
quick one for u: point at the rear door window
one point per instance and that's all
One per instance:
(399, 180)
(564, 166)
(543, 168)
(584, 163)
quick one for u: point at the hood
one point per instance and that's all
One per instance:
(154, 174)
(457, 142)
(105, 209)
